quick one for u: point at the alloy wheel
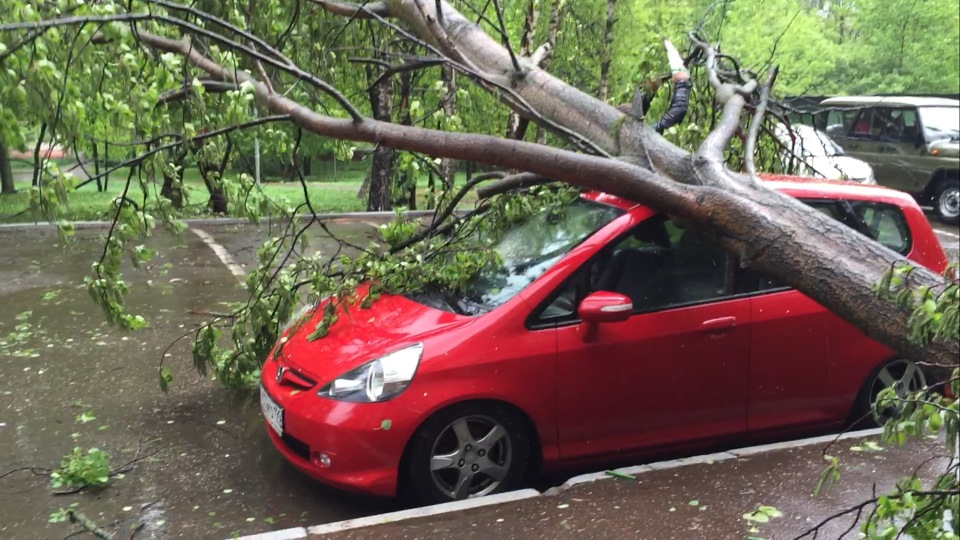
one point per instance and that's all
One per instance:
(471, 457)
(948, 204)
(904, 376)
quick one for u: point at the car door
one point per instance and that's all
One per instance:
(790, 361)
(857, 140)
(900, 154)
(806, 363)
(676, 371)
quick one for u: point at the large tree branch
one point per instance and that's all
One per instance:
(769, 230)
(558, 103)
(560, 164)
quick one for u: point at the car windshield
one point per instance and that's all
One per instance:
(816, 143)
(805, 141)
(526, 251)
(940, 123)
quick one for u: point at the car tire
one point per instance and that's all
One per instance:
(467, 450)
(946, 201)
(905, 375)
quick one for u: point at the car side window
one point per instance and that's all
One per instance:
(861, 127)
(843, 118)
(884, 223)
(904, 126)
(898, 125)
(659, 265)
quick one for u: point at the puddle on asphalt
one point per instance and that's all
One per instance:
(201, 465)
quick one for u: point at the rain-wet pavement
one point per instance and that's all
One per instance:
(200, 464)
(697, 502)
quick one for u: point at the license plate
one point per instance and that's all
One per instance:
(271, 411)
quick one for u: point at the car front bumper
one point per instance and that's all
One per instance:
(353, 446)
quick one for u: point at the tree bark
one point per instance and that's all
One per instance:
(212, 174)
(7, 187)
(409, 182)
(606, 56)
(172, 188)
(448, 103)
(553, 28)
(381, 166)
(516, 126)
(769, 231)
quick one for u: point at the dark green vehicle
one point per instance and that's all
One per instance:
(913, 144)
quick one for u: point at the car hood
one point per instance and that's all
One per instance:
(842, 168)
(360, 335)
(945, 148)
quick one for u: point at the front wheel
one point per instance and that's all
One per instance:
(946, 201)
(466, 451)
(904, 376)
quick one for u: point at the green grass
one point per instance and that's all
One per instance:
(329, 192)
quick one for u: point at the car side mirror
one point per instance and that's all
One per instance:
(602, 307)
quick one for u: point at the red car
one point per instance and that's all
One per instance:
(610, 332)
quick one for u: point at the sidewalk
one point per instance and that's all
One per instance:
(696, 498)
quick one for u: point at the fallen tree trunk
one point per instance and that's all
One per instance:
(769, 231)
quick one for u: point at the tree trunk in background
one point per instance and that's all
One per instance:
(212, 174)
(516, 125)
(37, 158)
(381, 166)
(6, 173)
(553, 28)
(448, 102)
(607, 54)
(409, 181)
(172, 188)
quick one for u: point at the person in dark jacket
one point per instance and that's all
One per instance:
(681, 94)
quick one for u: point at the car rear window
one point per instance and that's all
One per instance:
(884, 223)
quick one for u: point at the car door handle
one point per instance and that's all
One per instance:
(718, 325)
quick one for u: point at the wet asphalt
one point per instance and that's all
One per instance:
(200, 465)
(192, 463)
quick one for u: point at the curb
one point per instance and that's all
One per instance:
(713, 458)
(77, 225)
(492, 500)
(393, 517)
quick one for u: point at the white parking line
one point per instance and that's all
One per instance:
(947, 233)
(222, 254)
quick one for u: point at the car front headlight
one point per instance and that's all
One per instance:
(377, 380)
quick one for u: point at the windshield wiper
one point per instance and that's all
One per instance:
(471, 307)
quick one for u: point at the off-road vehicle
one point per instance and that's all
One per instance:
(913, 144)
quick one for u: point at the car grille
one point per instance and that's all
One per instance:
(291, 377)
(296, 446)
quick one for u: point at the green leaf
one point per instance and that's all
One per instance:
(166, 377)
(620, 475)
(757, 517)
